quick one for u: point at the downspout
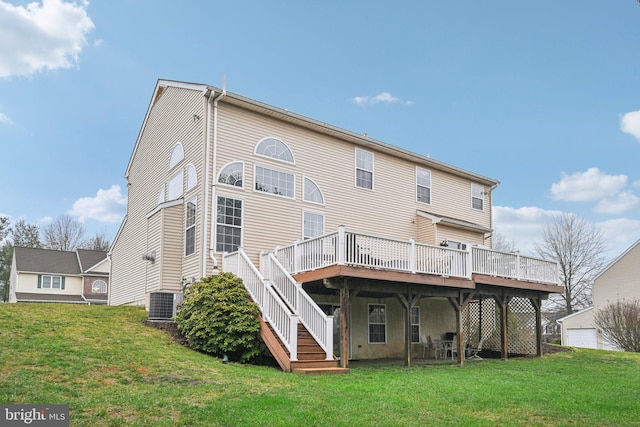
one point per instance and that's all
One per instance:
(209, 199)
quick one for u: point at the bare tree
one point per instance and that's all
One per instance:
(25, 235)
(63, 234)
(620, 324)
(578, 247)
(500, 242)
(99, 242)
(4, 228)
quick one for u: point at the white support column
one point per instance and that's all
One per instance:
(296, 257)
(293, 338)
(341, 245)
(329, 350)
(469, 257)
(412, 256)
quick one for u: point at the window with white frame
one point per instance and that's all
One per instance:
(232, 174)
(190, 228)
(176, 155)
(228, 224)
(161, 195)
(423, 185)
(99, 287)
(477, 197)
(312, 192)
(377, 324)
(415, 324)
(176, 186)
(364, 169)
(274, 182)
(276, 149)
(192, 177)
(313, 225)
(50, 282)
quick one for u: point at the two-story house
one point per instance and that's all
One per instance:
(319, 221)
(46, 275)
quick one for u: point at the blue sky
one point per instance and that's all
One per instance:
(543, 96)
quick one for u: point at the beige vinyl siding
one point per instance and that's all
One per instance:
(388, 210)
(170, 120)
(28, 282)
(172, 247)
(458, 235)
(154, 237)
(426, 231)
(621, 281)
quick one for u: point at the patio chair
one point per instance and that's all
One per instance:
(452, 347)
(427, 345)
(473, 351)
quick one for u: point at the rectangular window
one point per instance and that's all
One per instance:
(274, 182)
(176, 187)
(423, 185)
(477, 197)
(313, 225)
(228, 224)
(364, 169)
(415, 325)
(377, 324)
(190, 229)
(51, 282)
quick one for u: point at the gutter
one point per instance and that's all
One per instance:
(213, 100)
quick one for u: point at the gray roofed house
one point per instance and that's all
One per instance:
(45, 275)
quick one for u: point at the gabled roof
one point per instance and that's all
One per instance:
(35, 260)
(89, 259)
(305, 122)
(453, 222)
(577, 313)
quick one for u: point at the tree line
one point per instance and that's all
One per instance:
(62, 234)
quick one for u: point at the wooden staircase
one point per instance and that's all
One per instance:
(311, 357)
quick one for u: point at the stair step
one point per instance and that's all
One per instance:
(321, 371)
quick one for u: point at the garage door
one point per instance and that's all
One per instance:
(585, 337)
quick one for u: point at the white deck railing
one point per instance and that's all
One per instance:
(348, 248)
(274, 311)
(319, 325)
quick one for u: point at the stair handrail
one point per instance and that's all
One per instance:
(274, 311)
(319, 324)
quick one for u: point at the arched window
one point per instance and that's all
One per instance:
(99, 287)
(176, 155)
(312, 192)
(161, 195)
(232, 174)
(276, 149)
(192, 177)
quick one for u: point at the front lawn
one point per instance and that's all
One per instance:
(114, 371)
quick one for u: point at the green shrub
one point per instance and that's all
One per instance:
(218, 318)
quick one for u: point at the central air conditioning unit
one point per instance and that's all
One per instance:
(163, 305)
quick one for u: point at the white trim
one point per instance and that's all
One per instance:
(175, 162)
(192, 176)
(304, 211)
(164, 206)
(618, 258)
(562, 319)
(229, 185)
(479, 198)
(385, 324)
(193, 200)
(430, 187)
(214, 222)
(356, 168)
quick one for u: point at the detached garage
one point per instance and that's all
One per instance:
(578, 329)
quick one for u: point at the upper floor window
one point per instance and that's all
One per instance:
(274, 182)
(190, 229)
(276, 149)
(99, 287)
(312, 192)
(313, 225)
(423, 185)
(176, 155)
(176, 187)
(477, 196)
(364, 169)
(50, 282)
(192, 177)
(232, 174)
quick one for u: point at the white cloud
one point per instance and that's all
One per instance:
(107, 206)
(5, 119)
(587, 186)
(609, 191)
(620, 234)
(47, 35)
(97, 43)
(630, 123)
(381, 98)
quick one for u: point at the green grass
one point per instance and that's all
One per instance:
(114, 371)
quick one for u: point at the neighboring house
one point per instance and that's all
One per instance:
(45, 275)
(550, 327)
(619, 281)
(394, 243)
